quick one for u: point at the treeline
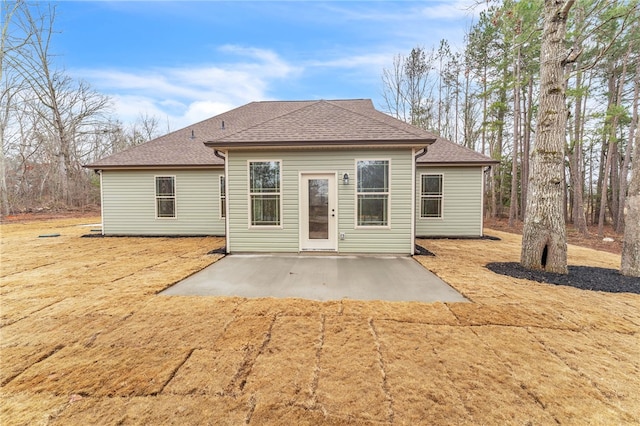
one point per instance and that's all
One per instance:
(485, 95)
(50, 123)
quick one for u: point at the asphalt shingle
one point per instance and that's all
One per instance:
(284, 122)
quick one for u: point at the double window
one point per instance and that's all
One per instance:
(165, 197)
(372, 193)
(431, 196)
(265, 192)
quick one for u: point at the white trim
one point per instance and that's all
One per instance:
(101, 201)
(175, 197)
(355, 195)
(413, 202)
(227, 237)
(303, 210)
(481, 201)
(158, 167)
(441, 217)
(280, 193)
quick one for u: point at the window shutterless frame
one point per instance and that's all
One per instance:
(223, 196)
(165, 197)
(373, 193)
(431, 195)
(264, 189)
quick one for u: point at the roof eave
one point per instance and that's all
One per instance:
(151, 167)
(417, 143)
(458, 163)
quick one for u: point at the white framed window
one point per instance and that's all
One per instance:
(165, 197)
(265, 193)
(372, 192)
(223, 197)
(431, 196)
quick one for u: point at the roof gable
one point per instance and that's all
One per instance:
(326, 121)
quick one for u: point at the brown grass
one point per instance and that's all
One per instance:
(85, 339)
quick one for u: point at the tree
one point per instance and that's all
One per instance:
(10, 86)
(544, 239)
(630, 263)
(62, 109)
(407, 88)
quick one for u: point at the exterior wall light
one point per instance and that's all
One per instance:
(345, 179)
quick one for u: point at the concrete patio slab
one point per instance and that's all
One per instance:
(318, 277)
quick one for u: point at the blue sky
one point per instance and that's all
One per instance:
(187, 61)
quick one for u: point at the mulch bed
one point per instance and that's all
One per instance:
(582, 277)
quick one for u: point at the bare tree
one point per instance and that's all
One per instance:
(10, 87)
(393, 83)
(544, 239)
(66, 108)
(407, 88)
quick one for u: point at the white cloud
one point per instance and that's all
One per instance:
(188, 94)
(200, 110)
(376, 60)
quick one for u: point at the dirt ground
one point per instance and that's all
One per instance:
(591, 240)
(84, 339)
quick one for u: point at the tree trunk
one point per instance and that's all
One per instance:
(526, 145)
(627, 155)
(622, 192)
(576, 161)
(513, 208)
(630, 262)
(614, 101)
(544, 240)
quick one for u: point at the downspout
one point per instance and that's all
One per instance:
(420, 154)
(413, 196)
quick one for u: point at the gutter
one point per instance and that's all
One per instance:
(312, 144)
(420, 154)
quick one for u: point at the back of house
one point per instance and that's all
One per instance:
(296, 176)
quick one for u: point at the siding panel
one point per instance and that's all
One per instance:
(395, 239)
(128, 198)
(462, 203)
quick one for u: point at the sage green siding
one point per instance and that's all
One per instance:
(393, 239)
(462, 203)
(128, 203)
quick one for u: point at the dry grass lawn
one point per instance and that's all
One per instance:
(86, 340)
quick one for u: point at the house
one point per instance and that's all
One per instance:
(291, 176)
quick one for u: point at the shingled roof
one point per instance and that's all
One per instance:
(279, 123)
(327, 123)
(445, 152)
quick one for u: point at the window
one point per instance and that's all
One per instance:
(223, 198)
(373, 193)
(431, 196)
(165, 197)
(264, 193)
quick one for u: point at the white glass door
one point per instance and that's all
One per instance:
(318, 211)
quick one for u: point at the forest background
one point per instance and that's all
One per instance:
(483, 96)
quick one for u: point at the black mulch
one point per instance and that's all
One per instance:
(421, 251)
(582, 277)
(440, 237)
